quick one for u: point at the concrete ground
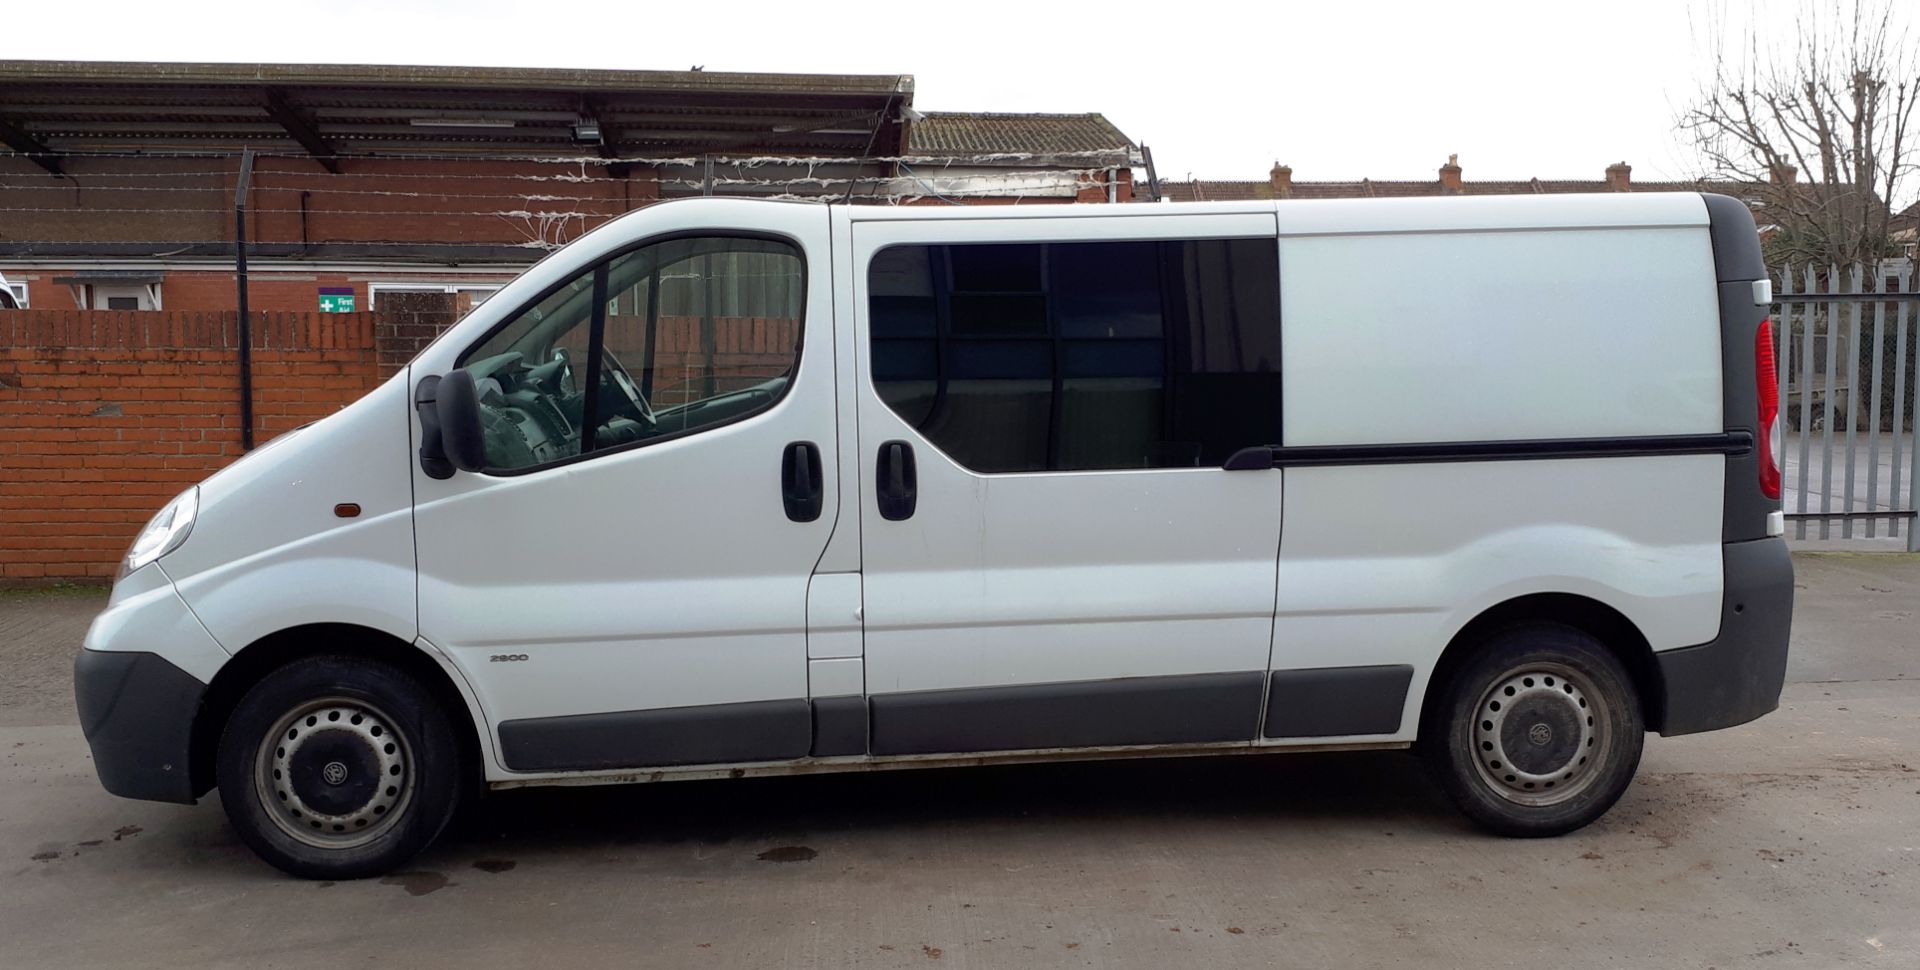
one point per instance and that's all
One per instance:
(1791, 842)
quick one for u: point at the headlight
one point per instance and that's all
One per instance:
(165, 532)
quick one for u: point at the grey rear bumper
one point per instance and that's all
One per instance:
(1735, 677)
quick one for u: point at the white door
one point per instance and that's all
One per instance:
(1053, 554)
(640, 598)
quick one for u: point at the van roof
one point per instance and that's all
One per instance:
(1314, 217)
(1336, 216)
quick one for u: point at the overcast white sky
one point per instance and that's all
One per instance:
(1336, 88)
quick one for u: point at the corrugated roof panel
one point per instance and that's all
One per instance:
(76, 107)
(986, 133)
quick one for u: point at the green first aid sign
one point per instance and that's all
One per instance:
(336, 300)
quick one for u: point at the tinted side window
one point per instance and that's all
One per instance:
(665, 340)
(1081, 356)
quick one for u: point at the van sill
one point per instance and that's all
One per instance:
(858, 763)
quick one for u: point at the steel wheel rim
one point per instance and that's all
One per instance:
(1539, 735)
(334, 773)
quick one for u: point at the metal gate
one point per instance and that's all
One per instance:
(1849, 459)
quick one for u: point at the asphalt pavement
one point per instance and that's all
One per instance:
(1790, 842)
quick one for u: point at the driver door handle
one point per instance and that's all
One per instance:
(896, 483)
(800, 487)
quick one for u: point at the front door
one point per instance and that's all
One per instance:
(1053, 555)
(626, 585)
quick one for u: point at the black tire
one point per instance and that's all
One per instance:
(368, 773)
(1537, 734)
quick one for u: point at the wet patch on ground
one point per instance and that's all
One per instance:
(788, 853)
(419, 882)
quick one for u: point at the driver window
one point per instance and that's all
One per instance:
(675, 337)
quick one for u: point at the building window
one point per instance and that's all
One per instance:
(112, 289)
(13, 296)
(102, 296)
(466, 295)
(1081, 356)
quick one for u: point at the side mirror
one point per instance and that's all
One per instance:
(458, 407)
(433, 454)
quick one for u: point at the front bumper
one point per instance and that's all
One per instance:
(139, 683)
(137, 711)
(1735, 677)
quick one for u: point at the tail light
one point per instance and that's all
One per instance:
(1767, 378)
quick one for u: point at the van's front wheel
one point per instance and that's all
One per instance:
(338, 768)
(1537, 734)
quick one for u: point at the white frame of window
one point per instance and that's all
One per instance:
(19, 292)
(481, 291)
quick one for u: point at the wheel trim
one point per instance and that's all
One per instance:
(312, 771)
(1518, 734)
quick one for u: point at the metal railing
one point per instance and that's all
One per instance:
(1848, 453)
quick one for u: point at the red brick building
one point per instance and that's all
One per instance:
(1017, 158)
(118, 182)
(403, 195)
(1617, 177)
(1280, 184)
(1906, 229)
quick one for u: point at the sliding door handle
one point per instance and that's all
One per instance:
(800, 481)
(896, 484)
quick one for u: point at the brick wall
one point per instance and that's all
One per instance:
(408, 322)
(744, 351)
(104, 416)
(434, 201)
(174, 202)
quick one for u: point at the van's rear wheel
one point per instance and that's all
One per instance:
(1538, 734)
(338, 768)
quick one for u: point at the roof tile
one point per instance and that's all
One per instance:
(986, 133)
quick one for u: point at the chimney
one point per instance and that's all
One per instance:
(1450, 176)
(1619, 177)
(1783, 173)
(1281, 178)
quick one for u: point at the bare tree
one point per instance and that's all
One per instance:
(1817, 121)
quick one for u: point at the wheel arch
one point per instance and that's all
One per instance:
(276, 650)
(1603, 622)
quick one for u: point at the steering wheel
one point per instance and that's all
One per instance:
(636, 405)
(554, 378)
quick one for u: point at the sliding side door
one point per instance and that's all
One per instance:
(1053, 553)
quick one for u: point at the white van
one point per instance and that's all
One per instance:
(732, 487)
